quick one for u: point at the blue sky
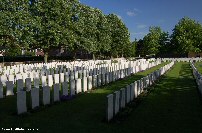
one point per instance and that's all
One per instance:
(139, 15)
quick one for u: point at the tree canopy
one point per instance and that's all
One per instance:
(187, 36)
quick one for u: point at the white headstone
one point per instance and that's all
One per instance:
(132, 91)
(128, 94)
(46, 95)
(116, 101)
(94, 80)
(72, 87)
(3, 79)
(35, 97)
(56, 78)
(62, 76)
(122, 98)
(65, 88)
(19, 85)
(43, 81)
(99, 80)
(56, 94)
(21, 102)
(9, 88)
(90, 83)
(78, 86)
(107, 78)
(110, 107)
(135, 89)
(28, 83)
(66, 77)
(11, 78)
(85, 85)
(50, 80)
(36, 83)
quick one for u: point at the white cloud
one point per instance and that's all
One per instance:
(141, 26)
(137, 10)
(131, 13)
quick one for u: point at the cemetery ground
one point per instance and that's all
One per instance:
(172, 105)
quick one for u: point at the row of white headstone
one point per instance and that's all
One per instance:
(23, 68)
(119, 99)
(65, 68)
(75, 86)
(181, 59)
(104, 76)
(197, 76)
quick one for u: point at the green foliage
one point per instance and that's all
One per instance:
(187, 36)
(15, 22)
(15, 51)
(119, 34)
(152, 40)
(66, 24)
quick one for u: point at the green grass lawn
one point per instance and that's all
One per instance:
(173, 106)
(198, 65)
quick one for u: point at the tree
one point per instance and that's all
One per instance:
(187, 36)
(130, 50)
(152, 40)
(103, 33)
(15, 22)
(51, 21)
(120, 37)
(140, 48)
(89, 33)
(165, 46)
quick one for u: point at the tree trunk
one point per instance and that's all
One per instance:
(46, 57)
(93, 56)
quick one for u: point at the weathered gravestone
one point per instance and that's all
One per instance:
(21, 102)
(35, 97)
